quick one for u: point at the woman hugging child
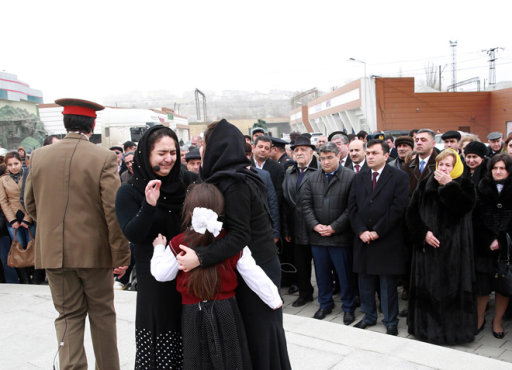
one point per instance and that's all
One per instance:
(212, 327)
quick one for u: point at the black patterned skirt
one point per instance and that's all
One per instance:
(214, 336)
(157, 323)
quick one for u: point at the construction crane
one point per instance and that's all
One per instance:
(198, 107)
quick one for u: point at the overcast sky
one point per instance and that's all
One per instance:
(93, 49)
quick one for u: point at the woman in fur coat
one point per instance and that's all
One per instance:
(442, 309)
(492, 223)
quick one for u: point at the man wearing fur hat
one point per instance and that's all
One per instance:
(404, 145)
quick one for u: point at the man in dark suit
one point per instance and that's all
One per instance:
(341, 140)
(425, 161)
(378, 200)
(357, 153)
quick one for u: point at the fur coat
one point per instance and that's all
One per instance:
(442, 309)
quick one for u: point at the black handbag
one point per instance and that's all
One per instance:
(504, 274)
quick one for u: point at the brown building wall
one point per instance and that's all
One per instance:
(400, 108)
(501, 110)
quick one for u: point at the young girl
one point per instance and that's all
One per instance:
(212, 328)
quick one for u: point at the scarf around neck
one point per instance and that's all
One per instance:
(16, 177)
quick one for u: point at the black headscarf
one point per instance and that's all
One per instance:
(224, 159)
(172, 191)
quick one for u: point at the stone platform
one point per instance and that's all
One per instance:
(28, 341)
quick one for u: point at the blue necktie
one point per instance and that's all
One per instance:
(422, 166)
(300, 176)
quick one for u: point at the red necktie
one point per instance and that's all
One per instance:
(357, 168)
(374, 180)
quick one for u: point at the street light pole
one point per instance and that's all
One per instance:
(365, 86)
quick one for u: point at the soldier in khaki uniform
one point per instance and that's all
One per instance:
(70, 192)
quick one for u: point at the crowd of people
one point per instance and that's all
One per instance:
(214, 229)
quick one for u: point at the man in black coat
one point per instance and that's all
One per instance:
(261, 159)
(278, 153)
(325, 207)
(295, 230)
(378, 201)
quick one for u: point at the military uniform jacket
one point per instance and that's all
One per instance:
(71, 192)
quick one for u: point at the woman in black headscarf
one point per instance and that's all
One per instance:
(247, 222)
(148, 205)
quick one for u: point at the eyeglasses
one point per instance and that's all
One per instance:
(128, 162)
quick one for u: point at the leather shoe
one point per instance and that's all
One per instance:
(392, 330)
(479, 330)
(322, 312)
(348, 318)
(362, 325)
(293, 289)
(497, 334)
(404, 313)
(301, 301)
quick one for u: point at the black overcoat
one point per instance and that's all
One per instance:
(492, 220)
(293, 202)
(381, 210)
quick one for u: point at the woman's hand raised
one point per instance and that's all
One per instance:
(152, 191)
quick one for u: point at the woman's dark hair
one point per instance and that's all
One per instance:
(158, 134)
(509, 137)
(505, 158)
(11, 155)
(73, 122)
(49, 139)
(203, 282)
(3, 168)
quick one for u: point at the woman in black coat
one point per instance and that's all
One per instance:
(441, 302)
(247, 222)
(492, 223)
(149, 204)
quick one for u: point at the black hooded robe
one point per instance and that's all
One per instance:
(442, 308)
(247, 222)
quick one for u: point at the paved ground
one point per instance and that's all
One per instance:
(27, 339)
(485, 344)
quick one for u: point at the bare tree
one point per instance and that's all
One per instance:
(431, 74)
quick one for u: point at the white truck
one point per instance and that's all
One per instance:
(119, 125)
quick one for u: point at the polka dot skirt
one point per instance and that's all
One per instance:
(162, 352)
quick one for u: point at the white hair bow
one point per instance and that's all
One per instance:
(205, 219)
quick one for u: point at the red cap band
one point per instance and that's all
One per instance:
(79, 111)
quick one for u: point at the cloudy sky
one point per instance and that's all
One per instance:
(93, 49)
